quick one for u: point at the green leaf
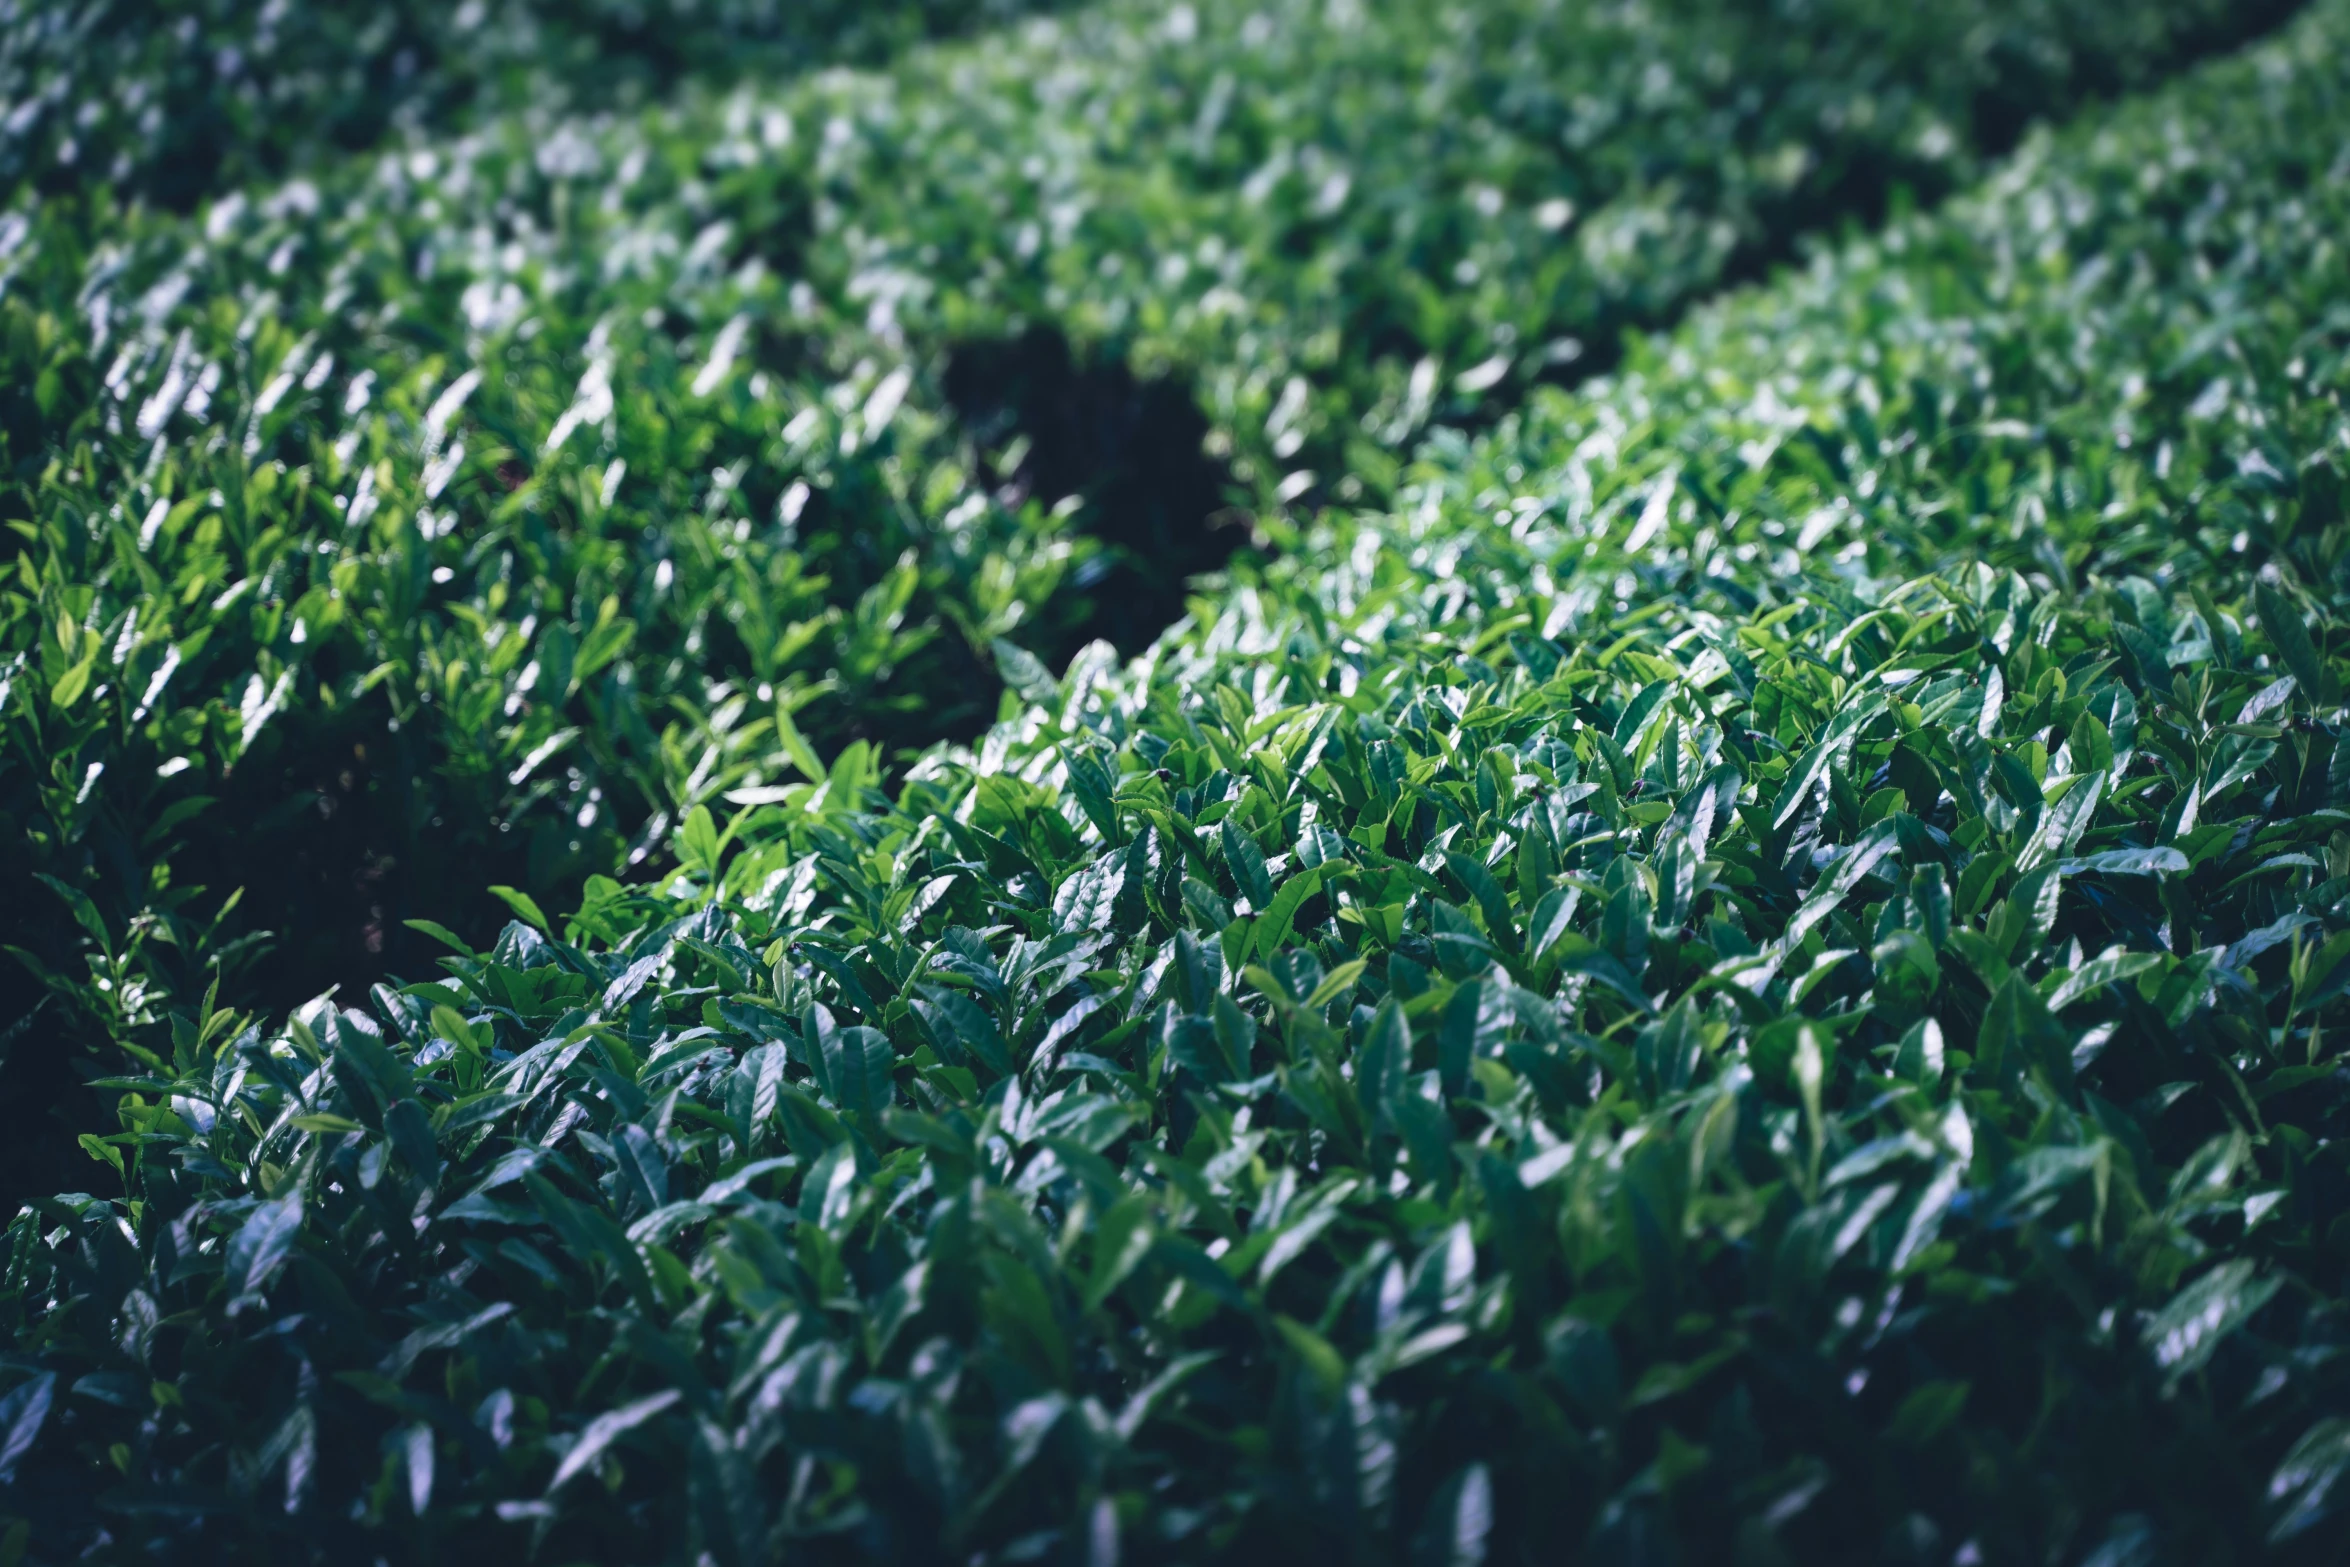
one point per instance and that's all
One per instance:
(1121, 1240)
(2061, 828)
(1842, 877)
(1491, 901)
(600, 1433)
(1247, 864)
(1335, 984)
(1088, 898)
(960, 1029)
(1320, 1360)
(524, 907)
(1272, 932)
(2185, 1333)
(1638, 711)
(2319, 974)
(1475, 1020)
(589, 1234)
(2099, 972)
(442, 934)
(1840, 733)
(1459, 1521)
(1930, 1409)
(73, 683)
(449, 1024)
(1236, 1036)
(2312, 1483)
(85, 911)
(2291, 640)
(1025, 673)
(2130, 862)
(259, 1248)
(2019, 1034)
(795, 745)
(857, 1066)
(1380, 1066)
(698, 848)
(22, 1414)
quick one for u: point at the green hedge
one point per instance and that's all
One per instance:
(389, 608)
(174, 100)
(1527, 1024)
(1343, 222)
(2121, 356)
(468, 516)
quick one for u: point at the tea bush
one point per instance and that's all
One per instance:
(468, 515)
(175, 99)
(1743, 975)
(1340, 222)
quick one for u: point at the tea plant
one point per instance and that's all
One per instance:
(174, 100)
(1750, 974)
(467, 516)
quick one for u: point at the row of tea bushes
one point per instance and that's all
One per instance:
(468, 517)
(1581, 1028)
(358, 577)
(1364, 1067)
(174, 100)
(2125, 355)
(1341, 220)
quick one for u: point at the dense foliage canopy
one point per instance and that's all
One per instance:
(469, 514)
(1729, 961)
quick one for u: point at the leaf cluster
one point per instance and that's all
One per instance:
(1603, 1024)
(172, 101)
(469, 515)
